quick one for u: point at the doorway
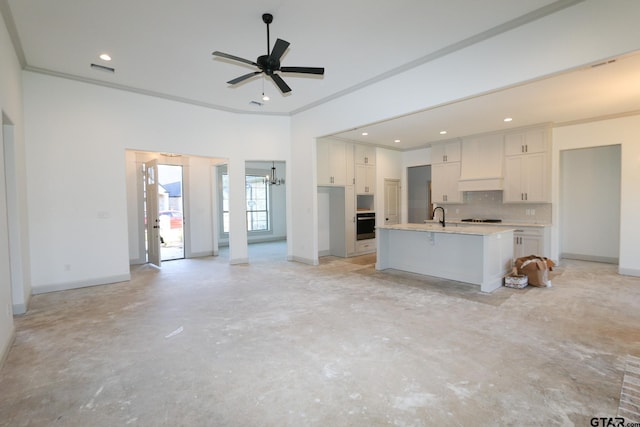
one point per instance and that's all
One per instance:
(170, 212)
(391, 201)
(419, 194)
(590, 180)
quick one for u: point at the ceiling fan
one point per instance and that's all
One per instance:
(270, 63)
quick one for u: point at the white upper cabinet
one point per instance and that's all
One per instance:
(526, 142)
(526, 179)
(527, 167)
(365, 179)
(332, 162)
(445, 152)
(365, 155)
(444, 183)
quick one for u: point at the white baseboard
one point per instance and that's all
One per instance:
(629, 272)
(54, 287)
(237, 261)
(594, 258)
(202, 254)
(4, 351)
(303, 260)
(19, 309)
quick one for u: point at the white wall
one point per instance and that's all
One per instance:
(590, 203)
(555, 43)
(76, 142)
(15, 281)
(626, 132)
(200, 203)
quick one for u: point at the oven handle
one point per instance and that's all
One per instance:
(366, 219)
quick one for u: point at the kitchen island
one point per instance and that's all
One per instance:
(476, 254)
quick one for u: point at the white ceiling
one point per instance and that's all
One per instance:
(163, 48)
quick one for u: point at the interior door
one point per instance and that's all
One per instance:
(153, 219)
(391, 201)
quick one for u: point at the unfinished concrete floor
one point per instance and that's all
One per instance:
(277, 343)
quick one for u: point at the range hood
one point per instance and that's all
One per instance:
(482, 163)
(480, 184)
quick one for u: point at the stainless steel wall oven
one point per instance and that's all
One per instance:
(365, 225)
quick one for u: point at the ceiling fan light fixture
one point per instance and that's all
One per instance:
(269, 64)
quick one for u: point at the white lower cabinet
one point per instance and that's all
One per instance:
(526, 244)
(531, 241)
(527, 240)
(365, 246)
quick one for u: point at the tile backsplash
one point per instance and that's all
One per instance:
(488, 204)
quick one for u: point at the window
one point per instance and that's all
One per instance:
(257, 195)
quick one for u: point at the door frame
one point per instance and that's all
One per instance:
(396, 183)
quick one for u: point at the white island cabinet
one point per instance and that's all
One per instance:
(477, 255)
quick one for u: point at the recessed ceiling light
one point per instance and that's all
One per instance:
(507, 119)
(396, 140)
(105, 57)
(443, 132)
(365, 133)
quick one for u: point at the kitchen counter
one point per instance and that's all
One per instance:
(477, 254)
(512, 224)
(435, 227)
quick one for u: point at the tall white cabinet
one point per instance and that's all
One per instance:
(526, 167)
(347, 172)
(365, 164)
(445, 173)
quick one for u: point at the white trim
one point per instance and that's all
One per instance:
(593, 258)
(237, 261)
(203, 254)
(54, 287)
(629, 272)
(302, 260)
(5, 351)
(19, 309)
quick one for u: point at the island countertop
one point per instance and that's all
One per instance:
(478, 255)
(479, 230)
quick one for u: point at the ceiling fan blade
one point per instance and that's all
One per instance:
(242, 78)
(278, 49)
(232, 57)
(284, 88)
(303, 70)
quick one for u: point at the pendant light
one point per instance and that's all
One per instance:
(273, 179)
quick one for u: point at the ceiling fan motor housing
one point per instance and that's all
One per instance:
(268, 65)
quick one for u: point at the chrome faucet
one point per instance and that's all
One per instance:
(434, 214)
